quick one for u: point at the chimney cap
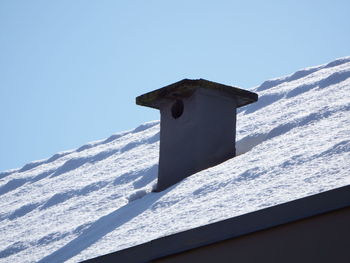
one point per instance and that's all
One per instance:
(186, 87)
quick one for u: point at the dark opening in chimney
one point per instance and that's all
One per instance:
(177, 109)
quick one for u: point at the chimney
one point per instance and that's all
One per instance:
(197, 126)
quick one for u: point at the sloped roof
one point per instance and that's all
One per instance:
(97, 199)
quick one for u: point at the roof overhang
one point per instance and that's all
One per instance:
(186, 88)
(267, 218)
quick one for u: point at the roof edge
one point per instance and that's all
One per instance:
(233, 227)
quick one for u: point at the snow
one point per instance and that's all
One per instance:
(79, 204)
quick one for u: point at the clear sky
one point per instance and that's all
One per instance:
(70, 70)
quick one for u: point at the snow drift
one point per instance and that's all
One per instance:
(79, 204)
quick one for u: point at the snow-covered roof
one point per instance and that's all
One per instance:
(79, 204)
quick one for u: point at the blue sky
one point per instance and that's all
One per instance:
(70, 70)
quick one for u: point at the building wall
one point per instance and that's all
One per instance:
(322, 238)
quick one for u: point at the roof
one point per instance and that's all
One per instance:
(186, 87)
(96, 199)
(233, 227)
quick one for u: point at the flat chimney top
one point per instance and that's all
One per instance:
(186, 87)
